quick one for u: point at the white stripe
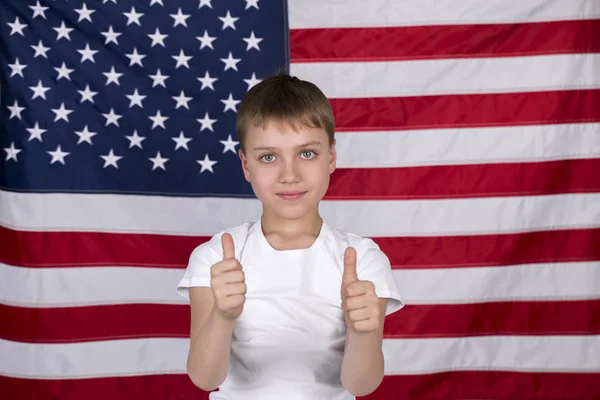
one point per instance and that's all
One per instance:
(70, 287)
(207, 216)
(492, 353)
(467, 146)
(354, 13)
(402, 356)
(452, 76)
(529, 282)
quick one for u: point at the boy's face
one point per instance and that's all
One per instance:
(288, 170)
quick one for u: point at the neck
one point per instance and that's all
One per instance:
(309, 224)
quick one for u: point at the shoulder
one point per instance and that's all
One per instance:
(367, 250)
(211, 251)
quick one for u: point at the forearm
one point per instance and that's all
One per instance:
(208, 360)
(363, 364)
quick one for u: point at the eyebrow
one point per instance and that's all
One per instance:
(311, 143)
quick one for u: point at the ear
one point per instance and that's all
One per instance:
(244, 165)
(332, 158)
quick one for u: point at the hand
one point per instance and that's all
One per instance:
(228, 283)
(359, 301)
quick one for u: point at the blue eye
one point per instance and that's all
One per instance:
(308, 154)
(267, 158)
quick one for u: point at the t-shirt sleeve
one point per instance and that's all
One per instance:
(200, 261)
(373, 265)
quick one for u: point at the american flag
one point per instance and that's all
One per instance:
(468, 137)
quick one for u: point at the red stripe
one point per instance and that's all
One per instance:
(149, 387)
(492, 250)
(65, 249)
(577, 317)
(460, 181)
(445, 41)
(466, 110)
(128, 321)
(498, 385)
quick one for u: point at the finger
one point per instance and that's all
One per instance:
(350, 274)
(228, 247)
(234, 289)
(355, 303)
(230, 264)
(359, 315)
(359, 288)
(234, 276)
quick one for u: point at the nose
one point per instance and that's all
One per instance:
(290, 172)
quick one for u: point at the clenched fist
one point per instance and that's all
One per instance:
(227, 281)
(359, 301)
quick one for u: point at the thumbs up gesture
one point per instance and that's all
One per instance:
(362, 313)
(228, 282)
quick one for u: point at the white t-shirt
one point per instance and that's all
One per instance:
(288, 343)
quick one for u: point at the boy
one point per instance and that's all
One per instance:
(287, 307)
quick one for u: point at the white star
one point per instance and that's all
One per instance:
(17, 68)
(135, 99)
(112, 76)
(85, 135)
(40, 50)
(106, 1)
(11, 152)
(64, 72)
(228, 21)
(251, 3)
(182, 100)
(112, 118)
(157, 38)
(84, 13)
(230, 62)
(180, 18)
(58, 155)
(61, 113)
(38, 10)
(63, 32)
(182, 59)
(111, 36)
(158, 162)
(111, 159)
(229, 145)
(252, 41)
(133, 17)
(207, 123)
(207, 81)
(159, 79)
(17, 27)
(39, 90)
(252, 81)
(87, 53)
(152, 2)
(135, 58)
(158, 120)
(230, 103)
(135, 140)
(35, 133)
(206, 164)
(15, 110)
(87, 94)
(181, 141)
(205, 3)
(205, 40)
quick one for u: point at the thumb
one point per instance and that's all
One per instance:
(350, 274)
(228, 247)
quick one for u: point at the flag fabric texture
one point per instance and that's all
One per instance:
(468, 135)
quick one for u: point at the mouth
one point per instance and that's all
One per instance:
(290, 196)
